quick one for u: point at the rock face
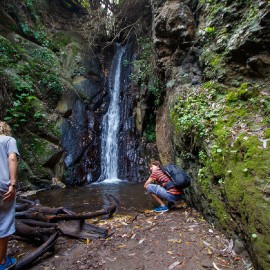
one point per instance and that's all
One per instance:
(80, 125)
(56, 87)
(213, 57)
(57, 75)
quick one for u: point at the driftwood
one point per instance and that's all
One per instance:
(26, 261)
(44, 224)
(82, 231)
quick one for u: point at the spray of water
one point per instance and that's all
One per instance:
(111, 120)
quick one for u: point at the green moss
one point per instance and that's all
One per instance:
(214, 64)
(31, 73)
(60, 40)
(10, 53)
(37, 152)
(210, 30)
(267, 133)
(235, 167)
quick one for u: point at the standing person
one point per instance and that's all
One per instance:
(157, 191)
(8, 179)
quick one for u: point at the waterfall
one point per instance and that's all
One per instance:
(111, 120)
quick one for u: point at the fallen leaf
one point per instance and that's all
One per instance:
(216, 266)
(141, 241)
(173, 265)
(120, 246)
(170, 252)
(175, 241)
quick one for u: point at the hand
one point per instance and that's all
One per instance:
(149, 181)
(10, 195)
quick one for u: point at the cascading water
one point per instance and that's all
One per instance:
(111, 120)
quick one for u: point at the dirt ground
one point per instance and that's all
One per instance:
(178, 239)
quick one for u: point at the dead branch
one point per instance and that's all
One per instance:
(26, 261)
(37, 222)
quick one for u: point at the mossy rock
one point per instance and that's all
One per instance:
(40, 155)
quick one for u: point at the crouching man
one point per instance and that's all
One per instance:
(157, 191)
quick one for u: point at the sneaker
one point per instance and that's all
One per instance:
(9, 263)
(161, 209)
(171, 205)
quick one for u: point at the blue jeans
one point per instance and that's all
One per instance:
(163, 193)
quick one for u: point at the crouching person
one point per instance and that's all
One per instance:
(8, 177)
(157, 191)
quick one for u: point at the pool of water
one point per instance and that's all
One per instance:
(92, 198)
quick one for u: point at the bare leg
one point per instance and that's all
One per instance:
(157, 199)
(3, 249)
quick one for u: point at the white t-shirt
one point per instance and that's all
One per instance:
(8, 145)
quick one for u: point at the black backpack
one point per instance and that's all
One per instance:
(178, 177)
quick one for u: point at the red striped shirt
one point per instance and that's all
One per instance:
(162, 178)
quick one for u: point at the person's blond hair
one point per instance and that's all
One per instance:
(5, 129)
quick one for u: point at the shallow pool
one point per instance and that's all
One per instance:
(91, 198)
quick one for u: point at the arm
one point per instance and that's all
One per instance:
(149, 181)
(13, 167)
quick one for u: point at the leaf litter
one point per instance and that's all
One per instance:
(178, 239)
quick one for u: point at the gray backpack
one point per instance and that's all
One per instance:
(178, 177)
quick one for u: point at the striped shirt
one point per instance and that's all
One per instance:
(162, 178)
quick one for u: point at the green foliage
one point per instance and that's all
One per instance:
(60, 40)
(267, 133)
(144, 73)
(37, 33)
(53, 86)
(234, 163)
(210, 30)
(23, 77)
(23, 102)
(9, 53)
(191, 116)
(149, 133)
(45, 56)
(31, 8)
(244, 92)
(214, 64)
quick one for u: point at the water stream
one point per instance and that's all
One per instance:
(111, 120)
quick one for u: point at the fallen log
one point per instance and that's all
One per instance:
(29, 259)
(34, 221)
(82, 231)
(80, 216)
(38, 223)
(25, 230)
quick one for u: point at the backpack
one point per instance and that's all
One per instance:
(178, 177)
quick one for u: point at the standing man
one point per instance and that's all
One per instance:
(8, 179)
(157, 191)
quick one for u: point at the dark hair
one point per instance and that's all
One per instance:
(155, 162)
